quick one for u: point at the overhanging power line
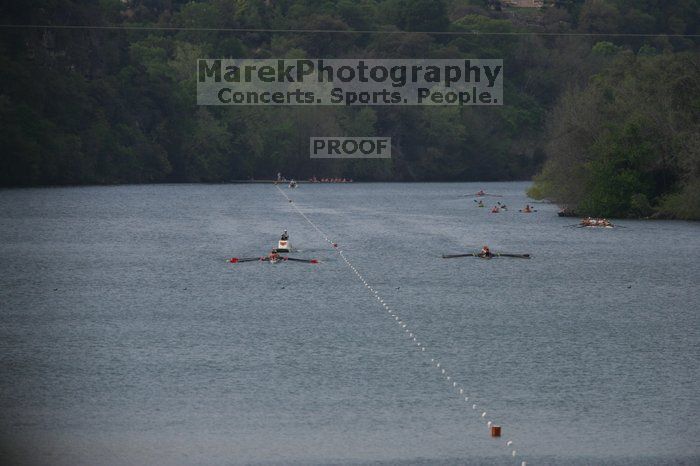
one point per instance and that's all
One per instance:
(337, 31)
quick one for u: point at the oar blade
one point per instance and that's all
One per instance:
(308, 261)
(236, 260)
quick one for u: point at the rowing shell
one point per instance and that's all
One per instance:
(483, 256)
(236, 260)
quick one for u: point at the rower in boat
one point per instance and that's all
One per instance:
(480, 204)
(486, 253)
(482, 193)
(528, 209)
(292, 184)
(495, 209)
(273, 257)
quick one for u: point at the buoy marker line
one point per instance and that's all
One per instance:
(509, 444)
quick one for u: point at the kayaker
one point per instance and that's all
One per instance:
(480, 204)
(527, 209)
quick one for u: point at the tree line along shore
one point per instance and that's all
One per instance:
(602, 97)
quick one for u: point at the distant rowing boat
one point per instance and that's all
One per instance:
(589, 222)
(482, 193)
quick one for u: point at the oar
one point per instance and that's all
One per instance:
(452, 256)
(308, 261)
(235, 260)
(496, 254)
(578, 225)
(473, 254)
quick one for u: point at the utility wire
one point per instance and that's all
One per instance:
(337, 31)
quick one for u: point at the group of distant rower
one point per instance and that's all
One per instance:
(313, 179)
(595, 222)
(274, 256)
(500, 206)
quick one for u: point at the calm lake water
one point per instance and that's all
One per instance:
(125, 337)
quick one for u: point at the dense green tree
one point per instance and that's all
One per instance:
(417, 15)
(623, 145)
(118, 106)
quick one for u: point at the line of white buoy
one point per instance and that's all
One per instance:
(444, 373)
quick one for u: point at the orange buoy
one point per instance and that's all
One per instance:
(495, 431)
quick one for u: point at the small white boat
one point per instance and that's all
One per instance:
(283, 246)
